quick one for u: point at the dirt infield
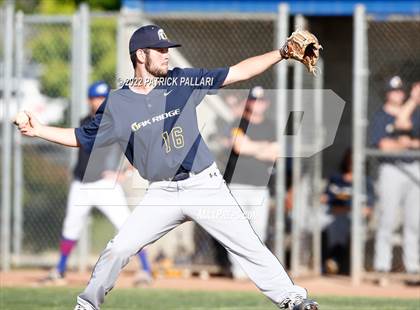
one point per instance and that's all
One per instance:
(330, 286)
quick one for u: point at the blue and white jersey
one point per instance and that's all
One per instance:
(158, 132)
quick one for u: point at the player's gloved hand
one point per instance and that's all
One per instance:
(304, 47)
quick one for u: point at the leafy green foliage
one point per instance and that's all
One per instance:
(50, 47)
(103, 49)
(63, 6)
(57, 6)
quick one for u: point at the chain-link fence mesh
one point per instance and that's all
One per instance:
(392, 51)
(3, 25)
(47, 71)
(2, 22)
(103, 48)
(304, 181)
(48, 81)
(302, 195)
(103, 62)
(212, 43)
(45, 87)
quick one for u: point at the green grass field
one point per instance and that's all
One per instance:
(147, 299)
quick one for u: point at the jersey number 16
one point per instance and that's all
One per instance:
(177, 139)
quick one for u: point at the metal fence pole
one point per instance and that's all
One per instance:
(297, 161)
(282, 29)
(18, 185)
(317, 181)
(75, 77)
(7, 137)
(85, 58)
(83, 76)
(359, 122)
(121, 52)
(75, 89)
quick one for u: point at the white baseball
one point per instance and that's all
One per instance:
(21, 118)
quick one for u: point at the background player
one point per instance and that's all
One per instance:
(167, 149)
(254, 150)
(396, 127)
(336, 235)
(96, 189)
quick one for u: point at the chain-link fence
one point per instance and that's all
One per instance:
(386, 123)
(54, 74)
(6, 97)
(3, 24)
(50, 51)
(392, 53)
(45, 88)
(211, 42)
(2, 18)
(303, 201)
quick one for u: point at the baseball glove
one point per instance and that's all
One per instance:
(304, 47)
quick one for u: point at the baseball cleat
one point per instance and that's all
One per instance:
(299, 303)
(306, 304)
(54, 278)
(142, 278)
(83, 305)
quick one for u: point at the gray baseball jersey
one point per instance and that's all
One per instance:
(158, 132)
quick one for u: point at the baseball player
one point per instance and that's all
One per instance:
(336, 235)
(155, 125)
(98, 190)
(396, 128)
(251, 160)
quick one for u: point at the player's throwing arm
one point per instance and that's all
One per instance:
(29, 126)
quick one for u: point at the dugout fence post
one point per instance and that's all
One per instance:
(75, 104)
(297, 160)
(75, 71)
(360, 80)
(282, 29)
(317, 177)
(7, 136)
(80, 104)
(18, 184)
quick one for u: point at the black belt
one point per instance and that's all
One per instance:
(181, 174)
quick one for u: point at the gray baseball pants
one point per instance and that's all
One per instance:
(205, 199)
(397, 188)
(255, 202)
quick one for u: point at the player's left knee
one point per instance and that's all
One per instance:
(119, 252)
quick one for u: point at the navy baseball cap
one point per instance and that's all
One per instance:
(98, 89)
(394, 83)
(150, 36)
